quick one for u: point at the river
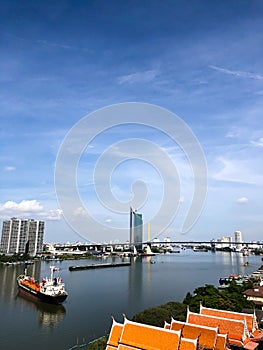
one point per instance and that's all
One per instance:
(96, 295)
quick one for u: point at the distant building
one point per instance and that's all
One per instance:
(224, 242)
(239, 240)
(255, 295)
(22, 236)
(136, 229)
(156, 242)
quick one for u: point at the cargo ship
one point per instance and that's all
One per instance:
(50, 290)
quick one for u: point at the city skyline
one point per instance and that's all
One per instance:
(61, 61)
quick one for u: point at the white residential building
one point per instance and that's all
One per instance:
(239, 240)
(22, 236)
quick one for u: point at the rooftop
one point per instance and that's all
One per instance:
(211, 329)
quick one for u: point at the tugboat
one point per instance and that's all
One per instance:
(50, 290)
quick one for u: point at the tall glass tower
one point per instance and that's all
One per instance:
(136, 229)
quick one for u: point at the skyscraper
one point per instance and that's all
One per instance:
(136, 229)
(238, 240)
(22, 236)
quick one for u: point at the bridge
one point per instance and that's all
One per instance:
(127, 246)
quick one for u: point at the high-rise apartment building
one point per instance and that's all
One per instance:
(22, 236)
(136, 229)
(238, 240)
(238, 237)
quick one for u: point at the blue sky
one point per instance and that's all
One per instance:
(201, 60)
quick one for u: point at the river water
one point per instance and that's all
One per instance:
(96, 295)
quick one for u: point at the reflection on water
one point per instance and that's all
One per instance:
(237, 260)
(48, 315)
(135, 282)
(8, 279)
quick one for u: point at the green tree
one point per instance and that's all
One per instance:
(231, 298)
(156, 316)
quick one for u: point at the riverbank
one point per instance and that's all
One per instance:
(231, 299)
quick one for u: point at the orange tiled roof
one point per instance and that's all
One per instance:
(247, 344)
(115, 334)
(166, 325)
(126, 347)
(109, 347)
(251, 345)
(188, 344)
(207, 336)
(236, 342)
(148, 337)
(176, 325)
(258, 335)
(221, 342)
(250, 318)
(208, 331)
(235, 329)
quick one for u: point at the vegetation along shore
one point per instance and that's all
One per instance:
(230, 299)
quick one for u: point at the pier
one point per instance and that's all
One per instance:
(97, 266)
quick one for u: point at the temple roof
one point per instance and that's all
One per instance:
(126, 347)
(166, 325)
(234, 328)
(109, 347)
(149, 337)
(221, 342)
(258, 335)
(251, 345)
(188, 344)
(115, 334)
(206, 336)
(176, 325)
(250, 318)
(207, 331)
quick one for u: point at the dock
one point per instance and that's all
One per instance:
(97, 266)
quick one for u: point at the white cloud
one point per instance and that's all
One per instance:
(241, 74)
(259, 142)
(139, 77)
(237, 170)
(80, 211)
(9, 168)
(54, 215)
(242, 200)
(28, 209)
(48, 43)
(23, 206)
(232, 134)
